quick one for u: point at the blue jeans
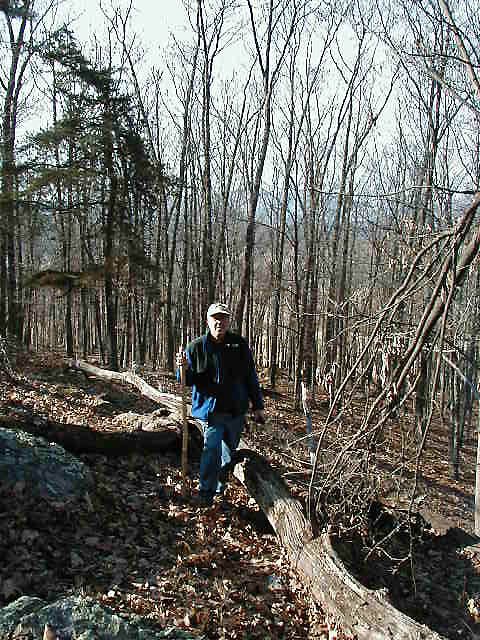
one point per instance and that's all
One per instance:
(221, 435)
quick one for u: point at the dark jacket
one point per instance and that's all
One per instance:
(222, 376)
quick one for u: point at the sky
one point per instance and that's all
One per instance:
(154, 20)
(151, 22)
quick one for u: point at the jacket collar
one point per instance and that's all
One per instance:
(210, 343)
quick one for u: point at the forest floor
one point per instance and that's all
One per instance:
(144, 549)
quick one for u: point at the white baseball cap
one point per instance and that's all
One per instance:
(218, 307)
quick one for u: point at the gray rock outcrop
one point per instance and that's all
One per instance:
(76, 618)
(44, 470)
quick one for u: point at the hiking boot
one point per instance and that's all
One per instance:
(221, 503)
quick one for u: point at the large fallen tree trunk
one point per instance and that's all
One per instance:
(78, 439)
(362, 612)
(127, 377)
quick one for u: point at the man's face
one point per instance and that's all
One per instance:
(218, 325)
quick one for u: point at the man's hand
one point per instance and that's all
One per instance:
(182, 364)
(49, 632)
(259, 416)
(181, 359)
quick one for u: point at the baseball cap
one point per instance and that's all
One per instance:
(218, 307)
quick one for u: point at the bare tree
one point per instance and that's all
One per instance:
(279, 24)
(21, 46)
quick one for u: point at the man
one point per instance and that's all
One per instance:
(220, 369)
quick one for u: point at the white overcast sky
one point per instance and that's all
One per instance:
(154, 20)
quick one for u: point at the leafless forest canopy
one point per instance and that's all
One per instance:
(314, 164)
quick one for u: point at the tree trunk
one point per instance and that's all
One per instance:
(477, 482)
(108, 230)
(269, 75)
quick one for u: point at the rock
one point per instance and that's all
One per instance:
(15, 611)
(155, 421)
(44, 470)
(76, 618)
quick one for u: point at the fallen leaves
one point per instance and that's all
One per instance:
(140, 548)
(9, 587)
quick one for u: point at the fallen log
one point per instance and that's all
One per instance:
(78, 439)
(364, 613)
(127, 377)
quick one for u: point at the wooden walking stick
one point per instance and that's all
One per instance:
(185, 484)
